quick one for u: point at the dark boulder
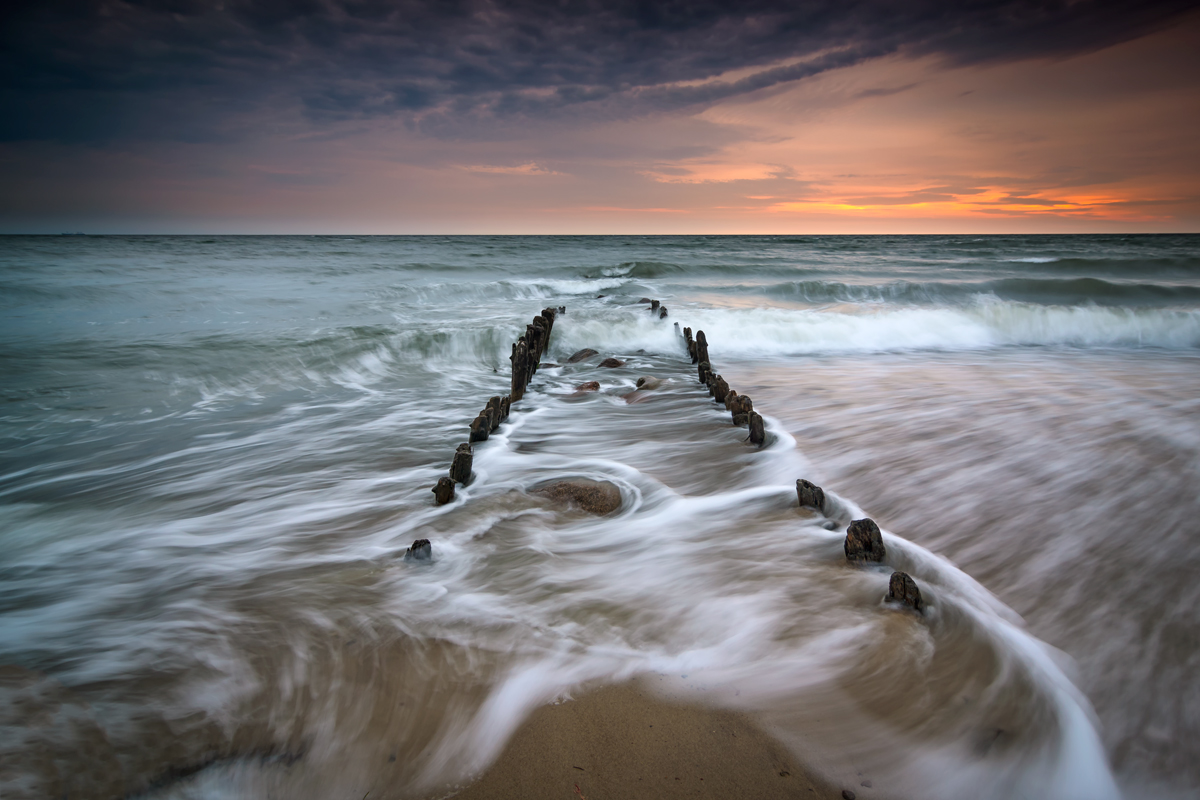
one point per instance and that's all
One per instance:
(588, 386)
(460, 467)
(444, 491)
(594, 497)
(586, 352)
(758, 431)
(864, 542)
(420, 550)
(903, 589)
(645, 300)
(612, 363)
(810, 495)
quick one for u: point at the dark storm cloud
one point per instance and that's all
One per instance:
(90, 71)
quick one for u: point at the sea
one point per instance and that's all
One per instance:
(215, 452)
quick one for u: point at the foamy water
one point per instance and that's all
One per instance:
(218, 450)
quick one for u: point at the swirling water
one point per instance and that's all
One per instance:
(216, 449)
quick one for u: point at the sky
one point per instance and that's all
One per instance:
(594, 117)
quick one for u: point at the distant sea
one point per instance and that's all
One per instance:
(215, 451)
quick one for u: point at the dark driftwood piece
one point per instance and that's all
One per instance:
(864, 542)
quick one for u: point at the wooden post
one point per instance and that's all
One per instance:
(444, 491)
(460, 467)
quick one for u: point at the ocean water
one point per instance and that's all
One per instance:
(215, 451)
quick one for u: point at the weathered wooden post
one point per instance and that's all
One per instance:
(720, 389)
(903, 589)
(420, 550)
(701, 347)
(810, 495)
(520, 366)
(864, 542)
(662, 313)
(444, 491)
(460, 467)
(703, 371)
(691, 343)
(653, 306)
(758, 433)
(740, 409)
(479, 429)
(495, 412)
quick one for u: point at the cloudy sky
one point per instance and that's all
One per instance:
(586, 116)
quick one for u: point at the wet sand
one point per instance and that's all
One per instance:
(624, 742)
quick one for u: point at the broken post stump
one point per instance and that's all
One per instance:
(864, 542)
(903, 589)
(420, 550)
(703, 370)
(662, 313)
(701, 348)
(460, 467)
(719, 389)
(479, 429)
(654, 305)
(810, 495)
(758, 432)
(444, 491)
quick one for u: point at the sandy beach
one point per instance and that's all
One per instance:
(623, 742)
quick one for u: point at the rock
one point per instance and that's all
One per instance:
(662, 313)
(479, 429)
(420, 550)
(612, 363)
(460, 467)
(649, 382)
(586, 352)
(864, 542)
(444, 491)
(594, 497)
(847, 794)
(645, 300)
(810, 495)
(719, 389)
(903, 589)
(758, 432)
(588, 386)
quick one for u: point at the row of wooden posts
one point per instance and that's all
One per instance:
(864, 542)
(526, 355)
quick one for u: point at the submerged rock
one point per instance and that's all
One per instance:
(649, 382)
(586, 352)
(594, 497)
(420, 550)
(588, 386)
(612, 363)
(864, 542)
(903, 589)
(810, 495)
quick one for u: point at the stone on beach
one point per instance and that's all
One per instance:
(580, 355)
(420, 550)
(810, 495)
(444, 491)
(903, 589)
(864, 542)
(594, 497)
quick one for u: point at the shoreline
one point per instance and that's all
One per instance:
(625, 742)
